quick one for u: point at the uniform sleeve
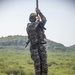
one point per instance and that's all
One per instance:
(43, 18)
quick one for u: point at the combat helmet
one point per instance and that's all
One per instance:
(32, 17)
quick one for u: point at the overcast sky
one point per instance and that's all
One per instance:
(60, 14)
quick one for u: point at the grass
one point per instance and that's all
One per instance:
(17, 61)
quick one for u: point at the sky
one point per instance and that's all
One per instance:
(60, 14)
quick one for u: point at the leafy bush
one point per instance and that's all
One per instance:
(15, 71)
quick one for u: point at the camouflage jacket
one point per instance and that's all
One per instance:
(34, 30)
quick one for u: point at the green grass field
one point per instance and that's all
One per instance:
(17, 61)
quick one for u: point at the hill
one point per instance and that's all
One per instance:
(13, 41)
(21, 41)
(71, 48)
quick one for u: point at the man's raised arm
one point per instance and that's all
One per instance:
(43, 18)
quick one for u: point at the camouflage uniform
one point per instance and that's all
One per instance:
(36, 38)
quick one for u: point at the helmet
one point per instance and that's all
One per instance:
(32, 17)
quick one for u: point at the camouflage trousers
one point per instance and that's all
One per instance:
(38, 55)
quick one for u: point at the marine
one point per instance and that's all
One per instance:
(36, 38)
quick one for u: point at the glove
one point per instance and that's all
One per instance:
(37, 10)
